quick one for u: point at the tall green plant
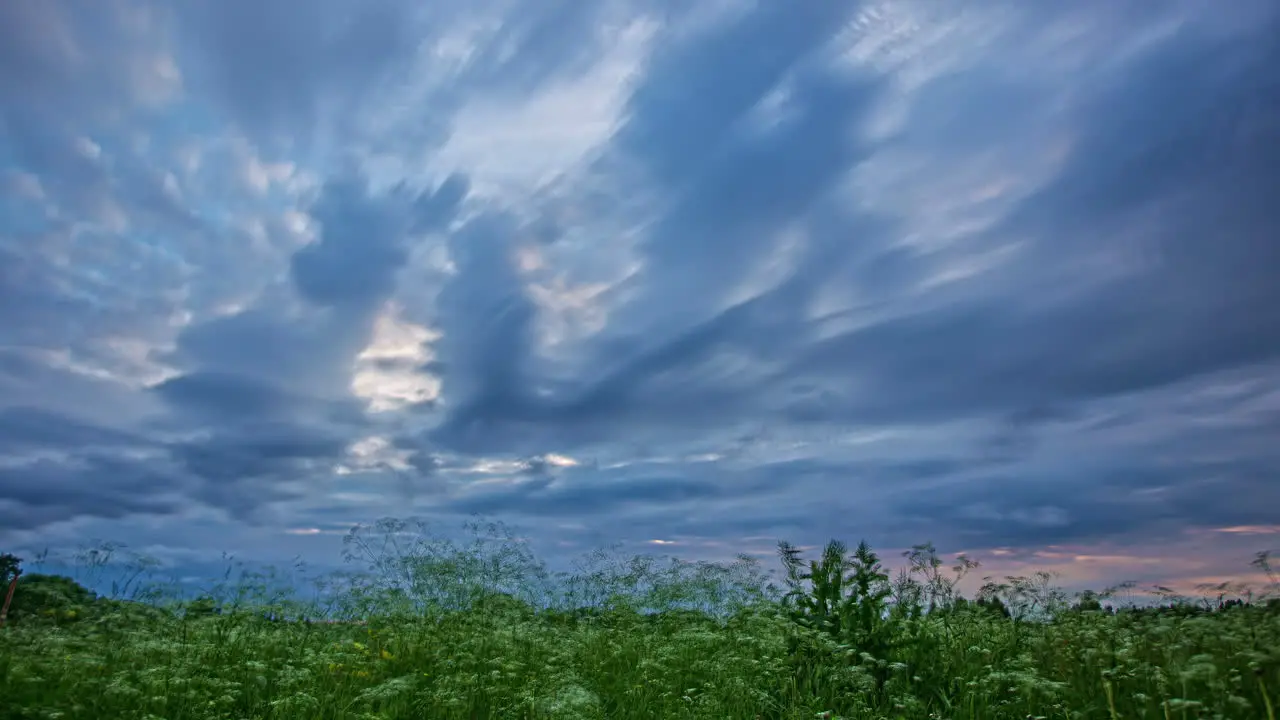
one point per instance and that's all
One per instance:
(846, 598)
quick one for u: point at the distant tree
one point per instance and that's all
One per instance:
(1088, 601)
(994, 605)
(203, 606)
(10, 568)
(503, 604)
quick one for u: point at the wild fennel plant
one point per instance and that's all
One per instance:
(482, 631)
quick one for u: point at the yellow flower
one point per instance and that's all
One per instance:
(386, 655)
(361, 673)
(359, 647)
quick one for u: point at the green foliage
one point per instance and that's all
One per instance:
(1088, 602)
(992, 605)
(203, 606)
(842, 641)
(10, 567)
(50, 597)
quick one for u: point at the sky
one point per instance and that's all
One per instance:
(685, 277)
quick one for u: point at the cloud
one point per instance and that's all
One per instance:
(47, 491)
(276, 390)
(360, 249)
(707, 274)
(537, 499)
(1128, 221)
(35, 428)
(281, 73)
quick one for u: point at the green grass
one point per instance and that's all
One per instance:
(505, 655)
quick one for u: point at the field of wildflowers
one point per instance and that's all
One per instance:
(431, 630)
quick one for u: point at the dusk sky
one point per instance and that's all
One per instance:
(690, 276)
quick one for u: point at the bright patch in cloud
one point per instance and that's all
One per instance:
(388, 373)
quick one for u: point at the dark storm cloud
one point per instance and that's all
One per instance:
(29, 427)
(248, 466)
(486, 322)
(53, 490)
(356, 260)
(363, 242)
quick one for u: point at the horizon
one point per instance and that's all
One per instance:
(115, 571)
(683, 277)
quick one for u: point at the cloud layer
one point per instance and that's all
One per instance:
(998, 276)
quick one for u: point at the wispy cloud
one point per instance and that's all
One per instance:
(684, 275)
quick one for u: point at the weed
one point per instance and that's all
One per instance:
(449, 632)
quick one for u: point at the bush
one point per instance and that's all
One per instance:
(52, 597)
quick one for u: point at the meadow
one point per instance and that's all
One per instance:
(429, 629)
